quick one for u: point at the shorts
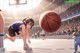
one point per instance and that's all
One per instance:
(12, 32)
(43, 34)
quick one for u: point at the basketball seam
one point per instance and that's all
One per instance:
(48, 25)
(53, 20)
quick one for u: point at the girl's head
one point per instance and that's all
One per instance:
(29, 22)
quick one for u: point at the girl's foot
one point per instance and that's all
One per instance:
(26, 47)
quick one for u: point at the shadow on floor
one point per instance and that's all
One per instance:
(27, 51)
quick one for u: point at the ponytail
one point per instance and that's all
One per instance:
(27, 20)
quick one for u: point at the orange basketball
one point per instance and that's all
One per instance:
(50, 21)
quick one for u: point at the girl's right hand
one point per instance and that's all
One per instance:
(29, 41)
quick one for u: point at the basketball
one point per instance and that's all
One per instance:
(50, 21)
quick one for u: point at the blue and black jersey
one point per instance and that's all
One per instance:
(15, 28)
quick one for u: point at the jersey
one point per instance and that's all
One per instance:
(16, 26)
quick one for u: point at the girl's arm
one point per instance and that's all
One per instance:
(28, 36)
(23, 33)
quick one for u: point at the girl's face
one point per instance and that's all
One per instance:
(29, 25)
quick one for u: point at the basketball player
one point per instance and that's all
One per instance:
(76, 35)
(21, 28)
(2, 49)
(43, 34)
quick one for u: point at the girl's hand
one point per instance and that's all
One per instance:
(29, 41)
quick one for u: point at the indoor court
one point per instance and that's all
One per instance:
(39, 26)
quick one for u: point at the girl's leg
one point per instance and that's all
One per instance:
(75, 46)
(1, 33)
(11, 38)
(11, 35)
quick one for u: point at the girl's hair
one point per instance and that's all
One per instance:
(27, 20)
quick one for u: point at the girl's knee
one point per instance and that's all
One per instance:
(12, 39)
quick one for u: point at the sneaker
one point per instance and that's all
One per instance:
(75, 52)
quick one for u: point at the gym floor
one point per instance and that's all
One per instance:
(40, 46)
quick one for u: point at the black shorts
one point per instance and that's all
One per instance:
(43, 34)
(13, 32)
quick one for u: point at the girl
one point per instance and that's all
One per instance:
(22, 29)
